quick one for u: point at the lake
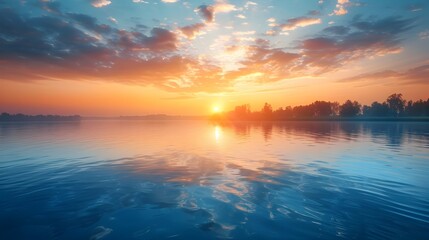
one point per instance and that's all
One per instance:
(200, 180)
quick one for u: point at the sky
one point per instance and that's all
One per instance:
(187, 57)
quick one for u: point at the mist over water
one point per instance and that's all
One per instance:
(200, 180)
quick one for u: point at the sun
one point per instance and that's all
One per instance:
(216, 109)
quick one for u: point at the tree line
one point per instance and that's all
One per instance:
(395, 106)
(6, 117)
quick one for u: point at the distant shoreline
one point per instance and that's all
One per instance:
(394, 109)
(224, 120)
(352, 119)
(6, 117)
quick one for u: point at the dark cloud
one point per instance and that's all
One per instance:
(192, 30)
(414, 7)
(49, 6)
(141, 27)
(207, 12)
(60, 45)
(41, 38)
(330, 50)
(418, 75)
(71, 35)
(161, 40)
(336, 30)
(390, 25)
(361, 39)
(90, 23)
(314, 13)
(77, 47)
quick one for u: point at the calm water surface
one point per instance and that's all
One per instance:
(197, 180)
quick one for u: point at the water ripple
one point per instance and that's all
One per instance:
(303, 181)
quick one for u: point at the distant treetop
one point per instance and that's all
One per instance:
(6, 117)
(395, 106)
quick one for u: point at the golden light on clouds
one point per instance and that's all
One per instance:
(180, 56)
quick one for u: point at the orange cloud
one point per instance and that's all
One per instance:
(77, 47)
(417, 75)
(100, 3)
(294, 23)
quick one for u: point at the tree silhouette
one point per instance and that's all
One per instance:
(242, 111)
(6, 117)
(267, 109)
(283, 113)
(323, 109)
(350, 109)
(394, 106)
(376, 110)
(418, 108)
(396, 103)
(303, 111)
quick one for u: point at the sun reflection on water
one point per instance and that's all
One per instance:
(217, 133)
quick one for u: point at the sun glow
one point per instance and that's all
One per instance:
(216, 109)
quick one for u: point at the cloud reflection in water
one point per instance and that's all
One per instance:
(303, 180)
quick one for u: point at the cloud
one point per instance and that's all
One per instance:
(291, 24)
(241, 16)
(330, 50)
(100, 3)
(342, 5)
(243, 33)
(130, 42)
(77, 47)
(222, 6)
(169, 1)
(270, 33)
(208, 12)
(193, 30)
(264, 64)
(49, 6)
(414, 75)
(338, 46)
(294, 23)
(414, 7)
(175, 73)
(424, 35)
(88, 22)
(372, 76)
(314, 13)
(113, 20)
(336, 30)
(248, 4)
(161, 40)
(340, 8)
